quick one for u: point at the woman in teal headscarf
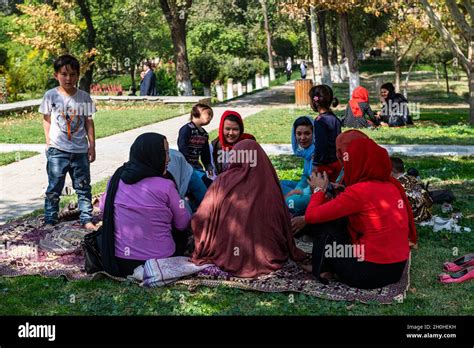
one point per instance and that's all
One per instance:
(298, 194)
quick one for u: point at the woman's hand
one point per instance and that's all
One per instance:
(294, 192)
(318, 180)
(297, 223)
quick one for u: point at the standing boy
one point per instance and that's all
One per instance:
(70, 140)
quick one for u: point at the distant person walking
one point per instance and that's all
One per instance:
(303, 68)
(148, 83)
(288, 69)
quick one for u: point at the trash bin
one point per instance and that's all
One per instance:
(302, 88)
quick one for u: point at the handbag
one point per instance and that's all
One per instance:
(92, 256)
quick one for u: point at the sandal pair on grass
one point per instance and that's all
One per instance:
(462, 270)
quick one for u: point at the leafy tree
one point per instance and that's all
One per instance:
(459, 37)
(206, 69)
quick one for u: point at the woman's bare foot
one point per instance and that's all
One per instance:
(90, 226)
(308, 267)
(327, 275)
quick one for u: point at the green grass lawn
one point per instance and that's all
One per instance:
(39, 296)
(434, 126)
(27, 128)
(15, 156)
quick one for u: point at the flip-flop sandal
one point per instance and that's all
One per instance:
(460, 263)
(459, 277)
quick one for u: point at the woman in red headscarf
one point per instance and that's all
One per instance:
(358, 110)
(379, 221)
(231, 131)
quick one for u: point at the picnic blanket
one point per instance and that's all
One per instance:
(160, 272)
(28, 248)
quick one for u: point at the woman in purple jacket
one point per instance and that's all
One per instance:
(144, 216)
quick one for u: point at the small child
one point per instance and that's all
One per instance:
(193, 143)
(70, 140)
(419, 198)
(326, 128)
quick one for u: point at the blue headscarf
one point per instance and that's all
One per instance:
(298, 151)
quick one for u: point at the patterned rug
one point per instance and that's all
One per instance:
(21, 253)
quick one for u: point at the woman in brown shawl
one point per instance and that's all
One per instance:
(243, 225)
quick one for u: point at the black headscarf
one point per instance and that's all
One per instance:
(395, 97)
(147, 159)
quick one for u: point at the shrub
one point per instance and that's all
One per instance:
(205, 67)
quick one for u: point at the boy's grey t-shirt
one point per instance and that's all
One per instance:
(68, 114)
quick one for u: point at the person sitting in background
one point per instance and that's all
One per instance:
(358, 111)
(395, 112)
(419, 198)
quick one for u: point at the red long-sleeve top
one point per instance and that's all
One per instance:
(378, 219)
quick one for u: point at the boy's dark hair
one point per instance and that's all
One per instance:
(397, 164)
(65, 60)
(235, 119)
(198, 108)
(322, 96)
(413, 172)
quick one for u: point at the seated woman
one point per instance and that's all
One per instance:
(243, 225)
(189, 187)
(380, 221)
(231, 131)
(297, 193)
(395, 112)
(144, 216)
(343, 140)
(358, 111)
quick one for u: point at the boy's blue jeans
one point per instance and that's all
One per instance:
(77, 165)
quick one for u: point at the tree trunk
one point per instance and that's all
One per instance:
(86, 80)
(354, 80)
(336, 71)
(178, 35)
(470, 73)
(315, 48)
(307, 22)
(445, 66)
(398, 66)
(405, 90)
(324, 48)
(269, 39)
(471, 98)
(176, 18)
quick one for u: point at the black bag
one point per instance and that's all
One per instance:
(442, 196)
(90, 246)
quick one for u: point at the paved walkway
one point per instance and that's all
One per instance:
(407, 150)
(23, 183)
